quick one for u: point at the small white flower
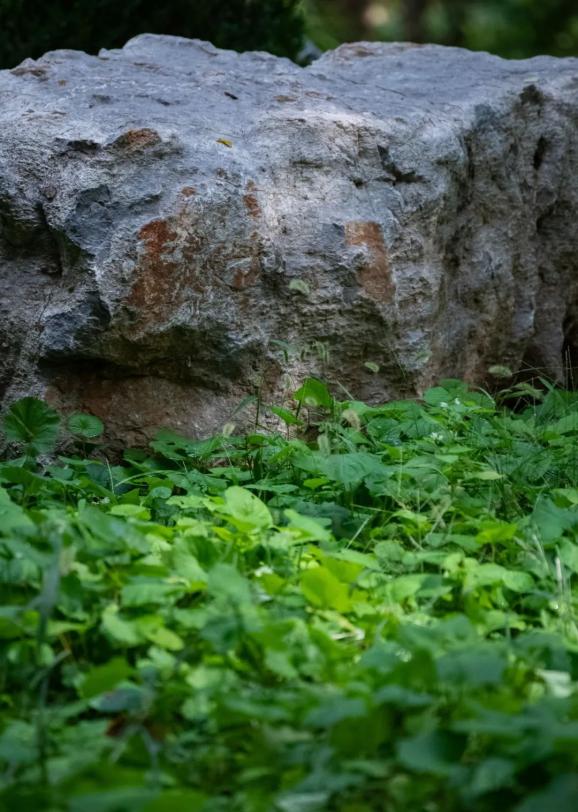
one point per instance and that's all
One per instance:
(444, 405)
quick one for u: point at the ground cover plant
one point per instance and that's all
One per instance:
(372, 610)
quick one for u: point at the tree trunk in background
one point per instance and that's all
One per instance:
(413, 17)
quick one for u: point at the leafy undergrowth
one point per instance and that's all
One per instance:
(381, 619)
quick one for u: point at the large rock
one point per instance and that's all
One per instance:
(170, 212)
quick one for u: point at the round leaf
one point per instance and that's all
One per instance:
(84, 425)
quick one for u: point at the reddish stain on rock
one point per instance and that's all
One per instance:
(247, 276)
(188, 191)
(166, 272)
(157, 235)
(375, 274)
(155, 272)
(250, 200)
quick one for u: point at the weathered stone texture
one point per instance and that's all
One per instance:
(169, 211)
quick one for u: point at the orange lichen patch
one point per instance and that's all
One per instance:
(137, 139)
(375, 274)
(250, 200)
(188, 191)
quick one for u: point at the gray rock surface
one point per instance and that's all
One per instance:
(170, 214)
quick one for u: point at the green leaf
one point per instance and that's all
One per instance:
(561, 795)
(309, 528)
(32, 423)
(165, 638)
(300, 286)
(492, 774)
(286, 416)
(475, 667)
(177, 800)
(146, 591)
(553, 521)
(130, 511)
(313, 392)
(247, 508)
(84, 425)
(105, 677)
(323, 589)
(120, 631)
(12, 517)
(567, 424)
(225, 581)
(436, 752)
(490, 574)
(498, 371)
(119, 799)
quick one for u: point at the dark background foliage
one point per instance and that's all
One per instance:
(29, 28)
(511, 28)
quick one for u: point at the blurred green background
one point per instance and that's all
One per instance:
(294, 28)
(511, 28)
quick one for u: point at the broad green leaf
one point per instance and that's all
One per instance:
(561, 795)
(247, 508)
(127, 799)
(177, 800)
(475, 667)
(120, 631)
(84, 425)
(165, 638)
(492, 774)
(286, 416)
(314, 392)
(32, 423)
(226, 582)
(145, 591)
(105, 677)
(323, 589)
(553, 521)
(437, 753)
(490, 574)
(308, 527)
(12, 517)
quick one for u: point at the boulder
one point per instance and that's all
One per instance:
(181, 227)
